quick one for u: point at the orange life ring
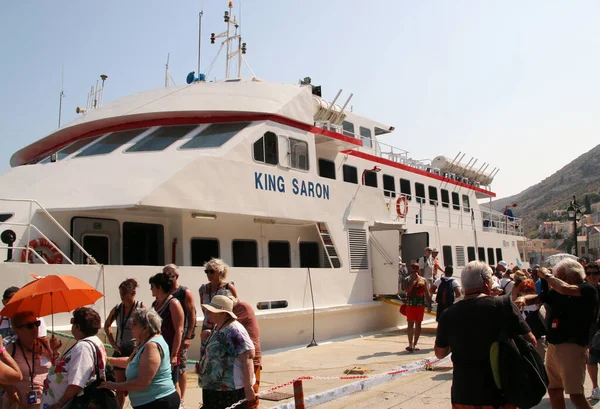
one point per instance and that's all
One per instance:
(52, 255)
(402, 206)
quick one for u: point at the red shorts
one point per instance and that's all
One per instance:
(415, 313)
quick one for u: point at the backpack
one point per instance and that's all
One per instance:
(445, 294)
(517, 367)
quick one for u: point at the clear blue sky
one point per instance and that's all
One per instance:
(512, 83)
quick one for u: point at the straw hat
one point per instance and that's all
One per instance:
(221, 303)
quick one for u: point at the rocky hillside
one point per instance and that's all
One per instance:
(580, 177)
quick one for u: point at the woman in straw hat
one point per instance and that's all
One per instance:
(226, 370)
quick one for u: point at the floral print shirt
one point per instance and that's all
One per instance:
(416, 297)
(75, 367)
(220, 365)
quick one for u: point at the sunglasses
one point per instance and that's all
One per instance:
(31, 325)
(209, 271)
(596, 273)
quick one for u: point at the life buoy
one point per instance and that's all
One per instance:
(51, 255)
(402, 206)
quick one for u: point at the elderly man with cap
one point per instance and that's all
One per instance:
(226, 369)
(426, 265)
(506, 282)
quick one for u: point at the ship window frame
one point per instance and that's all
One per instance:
(146, 142)
(445, 198)
(204, 239)
(233, 253)
(420, 199)
(350, 131)
(455, 203)
(370, 178)
(366, 134)
(269, 253)
(100, 142)
(293, 143)
(433, 198)
(261, 140)
(471, 254)
(350, 174)
(406, 188)
(324, 172)
(447, 254)
(4, 217)
(224, 136)
(499, 254)
(389, 185)
(89, 140)
(480, 251)
(466, 203)
(491, 256)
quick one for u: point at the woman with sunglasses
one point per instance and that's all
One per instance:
(125, 342)
(216, 273)
(33, 358)
(76, 368)
(171, 313)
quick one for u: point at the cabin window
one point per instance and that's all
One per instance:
(498, 254)
(490, 255)
(265, 149)
(161, 138)
(471, 254)
(143, 244)
(455, 201)
(389, 186)
(359, 257)
(369, 178)
(405, 188)
(460, 256)
(245, 253)
(365, 136)
(420, 192)
(215, 135)
(5, 216)
(350, 174)
(348, 129)
(309, 254)
(298, 154)
(203, 250)
(481, 253)
(433, 195)
(447, 252)
(445, 198)
(326, 168)
(98, 245)
(70, 149)
(280, 254)
(111, 142)
(466, 206)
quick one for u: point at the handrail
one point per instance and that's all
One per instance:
(24, 248)
(43, 235)
(89, 258)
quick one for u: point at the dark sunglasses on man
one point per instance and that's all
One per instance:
(30, 325)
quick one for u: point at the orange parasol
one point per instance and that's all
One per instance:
(51, 294)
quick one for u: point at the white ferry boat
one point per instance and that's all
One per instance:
(297, 194)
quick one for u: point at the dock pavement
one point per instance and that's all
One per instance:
(374, 354)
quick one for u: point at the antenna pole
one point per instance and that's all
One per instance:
(167, 72)
(199, 39)
(62, 94)
(228, 41)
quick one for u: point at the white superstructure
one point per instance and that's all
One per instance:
(296, 194)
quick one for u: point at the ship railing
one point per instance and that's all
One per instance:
(34, 207)
(452, 215)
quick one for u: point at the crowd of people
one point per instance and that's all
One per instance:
(149, 349)
(557, 311)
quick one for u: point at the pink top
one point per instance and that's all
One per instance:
(41, 366)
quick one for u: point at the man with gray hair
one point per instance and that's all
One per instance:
(426, 265)
(572, 302)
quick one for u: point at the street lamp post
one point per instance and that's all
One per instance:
(575, 214)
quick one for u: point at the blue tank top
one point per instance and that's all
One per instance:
(161, 385)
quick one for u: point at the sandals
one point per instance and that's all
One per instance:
(416, 349)
(409, 349)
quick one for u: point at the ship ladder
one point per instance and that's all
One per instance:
(329, 248)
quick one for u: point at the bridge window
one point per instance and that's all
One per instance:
(433, 195)
(420, 192)
(215, 135)
(298, 154)
(348, 129)
(326, 168)
(203, 250)
(445, 198)
(161, 138)
(389, 186)
(111, 142)
(365, 136)
(350, 174)
(245, 253)
(405, 188)
(279, 254)
(265, 149)
(70, 149)
(455, 201)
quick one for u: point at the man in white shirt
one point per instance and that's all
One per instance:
(506, 282)
(426, 266)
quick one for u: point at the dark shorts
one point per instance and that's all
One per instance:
(222, 399)
(168, 402)
(126, 352)
(594, 357)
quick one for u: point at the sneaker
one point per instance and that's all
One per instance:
(596, 393)
(182, 404)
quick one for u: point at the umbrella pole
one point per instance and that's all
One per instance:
(52, 312)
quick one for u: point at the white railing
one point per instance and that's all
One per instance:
(29, 226)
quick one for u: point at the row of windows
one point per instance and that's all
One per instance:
(492, 254)
(350, 174)
(245, 253)
(365, 133)
(212, 136)
(266, 150)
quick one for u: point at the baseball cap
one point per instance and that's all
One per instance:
(435, 250)
(503, 263)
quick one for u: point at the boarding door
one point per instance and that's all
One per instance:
(101, 238)
(384, 261)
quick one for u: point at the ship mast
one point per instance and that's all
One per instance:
(229, 42)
